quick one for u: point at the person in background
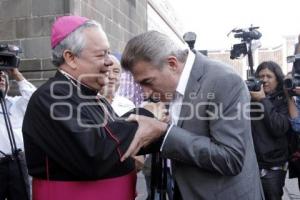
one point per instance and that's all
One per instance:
(294, 110)
(293, 97)
(130, 89)
(11, 180)
(293, 100)
(294, 103)
(294, 135)
(120, 104)
(270, 125)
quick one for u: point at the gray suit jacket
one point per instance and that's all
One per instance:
(211, 147)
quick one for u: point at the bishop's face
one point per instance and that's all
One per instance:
(93, 62)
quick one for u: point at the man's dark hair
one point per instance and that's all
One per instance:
(275, 68)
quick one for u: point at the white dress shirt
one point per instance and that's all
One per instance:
(16, 107)
(176, 103)
(122, 105)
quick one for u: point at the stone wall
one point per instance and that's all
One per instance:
(27, 23)
(120, 19)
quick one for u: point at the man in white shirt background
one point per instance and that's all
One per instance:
(120, 104)
(11, 180)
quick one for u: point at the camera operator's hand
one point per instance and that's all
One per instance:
(293, 111)
(285, 90)
(297, 90)
(259, 95)
(16, 74)
(3, 80)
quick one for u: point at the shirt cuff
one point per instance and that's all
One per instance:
(24, 84)
(166, 135)
(295, 123)
(295, 120)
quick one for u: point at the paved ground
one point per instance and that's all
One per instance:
(141, 187)
(291, 191)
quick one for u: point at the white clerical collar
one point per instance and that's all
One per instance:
(184, 77)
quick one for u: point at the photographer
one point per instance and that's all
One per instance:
(269, 128)
(293, 96)
(293, 89)
(294, 136)
(11, 181)
(294, 108)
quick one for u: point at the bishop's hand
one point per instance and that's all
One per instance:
(149, 130)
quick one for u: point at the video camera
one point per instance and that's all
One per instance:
(246, 35)
(245, 48)
(9, 56)
(190, 39)
(292, 83)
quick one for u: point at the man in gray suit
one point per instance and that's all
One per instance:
(209, 140)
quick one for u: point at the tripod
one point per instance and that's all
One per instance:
(159, 175)
(15, 151)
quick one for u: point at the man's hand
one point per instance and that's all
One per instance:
(16, 74)
(139, 162)
(259, 95)
(148, 131)
(297, 90)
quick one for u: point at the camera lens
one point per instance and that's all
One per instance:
(288, 83)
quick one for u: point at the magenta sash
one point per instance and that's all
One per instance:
(119, 188)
